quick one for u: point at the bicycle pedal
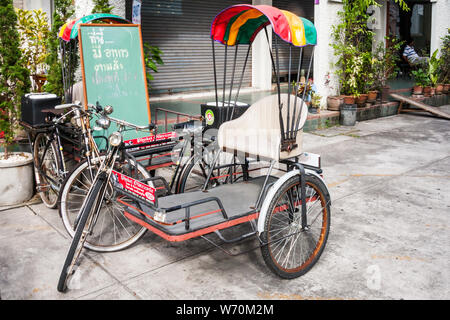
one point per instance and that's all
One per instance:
(42, 187)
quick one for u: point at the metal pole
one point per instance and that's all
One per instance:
(278, 84)
(280, 106)
(289, 91)
(232, 81)
(304, 92)
(224, 76)
(292, 135)
(240, 81)
(215, 74)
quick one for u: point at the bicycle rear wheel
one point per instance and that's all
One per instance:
(291, 250)
(195, 173)
(81, 234)
(48, 162)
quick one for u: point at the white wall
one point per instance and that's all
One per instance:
(440, 22)
(325, 15)
(261, 62)
(84, 7)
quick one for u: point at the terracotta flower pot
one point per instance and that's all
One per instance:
(433, 91)
(446, 88)
(361, 99)
(439, 88)
(417, 90)
(385, 93)
(372, 95)
(427, 91)
(334, 102)
(349, 99)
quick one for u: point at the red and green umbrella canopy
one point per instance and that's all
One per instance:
(241, 23)
(69, 30)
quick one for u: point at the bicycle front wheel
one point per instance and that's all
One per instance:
(112, 230)
(47, 161)
(80, 235)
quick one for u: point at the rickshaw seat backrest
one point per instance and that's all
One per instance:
(257, 132)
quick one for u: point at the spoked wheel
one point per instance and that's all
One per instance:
(195, 173)
(47, 166)
(83, 230)
(291, 250)
(112, 231)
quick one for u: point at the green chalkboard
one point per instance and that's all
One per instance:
(113, 72)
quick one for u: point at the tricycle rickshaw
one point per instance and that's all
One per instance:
(289, 213)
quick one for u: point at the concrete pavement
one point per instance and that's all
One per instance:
(389, 180)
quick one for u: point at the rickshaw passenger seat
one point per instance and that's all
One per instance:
(257, 131)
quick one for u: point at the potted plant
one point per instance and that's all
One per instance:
(361, 99)
(384, 65)
(444, 63)
(433, 72)
(372, 95)
(16, 171)
(421, 80)
(315, 102)
(333, 102)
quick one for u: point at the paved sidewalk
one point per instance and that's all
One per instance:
(389, 181)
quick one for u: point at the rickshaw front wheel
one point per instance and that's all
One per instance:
(291, 249)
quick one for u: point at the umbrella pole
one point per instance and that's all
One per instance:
(278, 84)
(215, 73)
(224, 75)
(232, 81)
(304, 91)
(294, 135)
(240, 81)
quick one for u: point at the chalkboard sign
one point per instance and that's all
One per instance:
(113, 70)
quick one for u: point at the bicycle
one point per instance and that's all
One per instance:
(48, 150)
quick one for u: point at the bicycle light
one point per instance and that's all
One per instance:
(103, 122)
(108, 109)
(115, 139)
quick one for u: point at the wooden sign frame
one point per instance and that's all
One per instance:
(142, 56)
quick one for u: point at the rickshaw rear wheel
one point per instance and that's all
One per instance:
(290, 250)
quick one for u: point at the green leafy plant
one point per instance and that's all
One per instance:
(315, 100)
(433, 68)
(152, 58)
(34, 31)
(64, 10)
(421, 77)
(444, 59)
(352, 46)
(14, 77)
(102, 6)
(384, 62)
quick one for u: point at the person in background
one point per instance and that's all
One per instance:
(410, 55)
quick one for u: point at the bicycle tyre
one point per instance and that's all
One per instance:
(77, 241)
(283, 231)
(128, 232)
(51, 166)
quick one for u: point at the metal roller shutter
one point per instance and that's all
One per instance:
(302, 8)
(181, 29)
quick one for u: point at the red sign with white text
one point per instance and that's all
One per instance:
(134, 186)
(152, 138)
